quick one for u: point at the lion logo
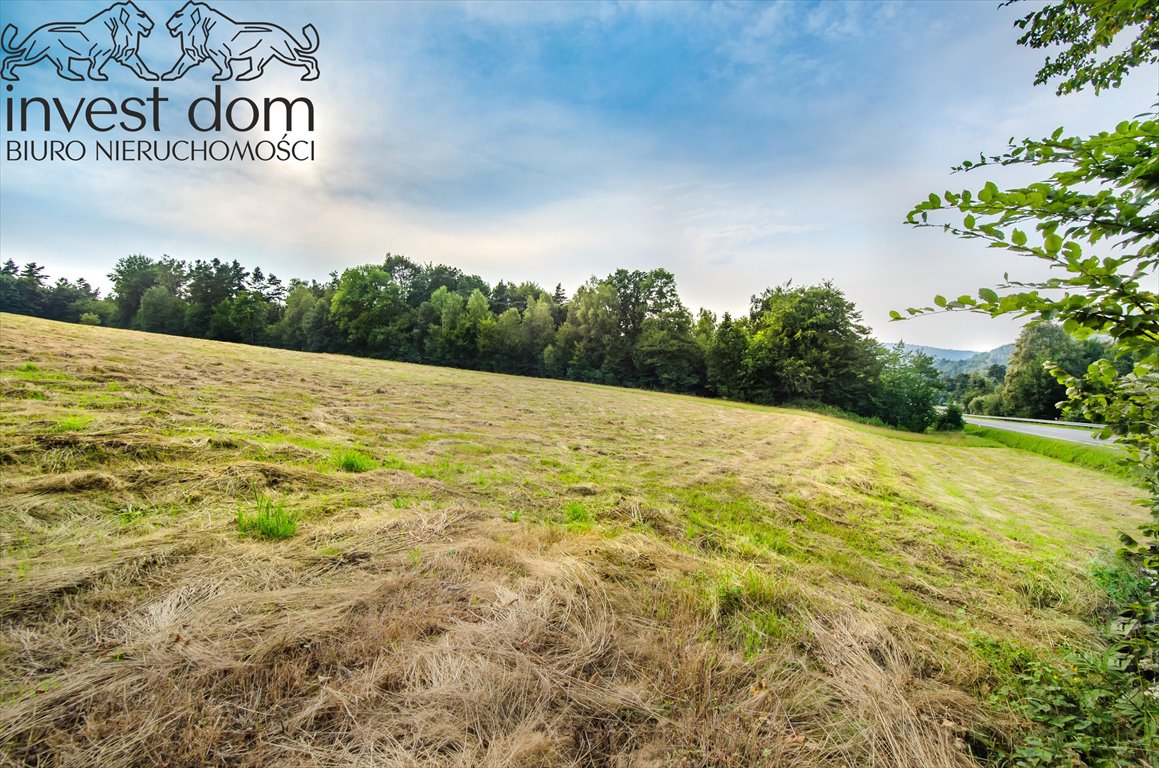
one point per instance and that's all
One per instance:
(111, 35)
(207, 34)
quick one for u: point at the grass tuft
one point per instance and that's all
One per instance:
(73, 423)
(269, 520)
(352, 461)
(577, 513)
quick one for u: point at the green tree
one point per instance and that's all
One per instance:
(366, 305)
(290, 329)
(447, 342)
(1030, 390)
(210, 287)
(809, 343)
(319, 330)
(249, 313)
(539, 330)
(503, 344)
(135, 274)
(638, 296)
(131, 277)
(1104, 196)
(907, 389)
(585, 343)
(667, 356)
(160, 312)
(726, 359)
(65, 300)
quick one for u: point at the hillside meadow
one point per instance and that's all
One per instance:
(484, 570)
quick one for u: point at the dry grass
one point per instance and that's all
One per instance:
(534, 573)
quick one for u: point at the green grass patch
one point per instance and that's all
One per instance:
(269, 519)
(1120, 580)
(71, 423)
(33, 372)
(442, 469)
(352, 461)
(393, 462)
(753, 610)
(1100, 459)
(25, 393)
(577, 513)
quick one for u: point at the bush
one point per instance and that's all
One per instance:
(90, 318)
(950, 419)
(993, 405)
(1083, 710)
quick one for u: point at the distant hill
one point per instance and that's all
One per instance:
(955, 361)
(943, 354)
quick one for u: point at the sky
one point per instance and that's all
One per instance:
(738, 145)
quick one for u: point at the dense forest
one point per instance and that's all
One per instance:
(797, 344)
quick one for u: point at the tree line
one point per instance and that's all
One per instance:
(1025, 387)
(796, 344)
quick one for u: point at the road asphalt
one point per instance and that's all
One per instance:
(1069, 434)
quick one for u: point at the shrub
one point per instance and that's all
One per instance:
(269, 520)
(950, 419)
(993, 405)
(1085, 709)
(90, 318)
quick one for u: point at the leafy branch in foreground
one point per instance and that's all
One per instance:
(1086, 26)
(1111, 295)
(1105, 196)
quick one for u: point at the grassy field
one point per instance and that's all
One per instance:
(213, 554)
(1103, 459)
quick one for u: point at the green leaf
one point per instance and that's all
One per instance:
(1018, 237)
(940, 300)
(987, 294)
(894, 315)
(970, 221)
(1053, 243)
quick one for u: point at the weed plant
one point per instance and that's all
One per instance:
(269, 520)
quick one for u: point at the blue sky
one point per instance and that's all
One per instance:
(739, 145)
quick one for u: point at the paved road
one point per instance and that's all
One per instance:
(1041, 430)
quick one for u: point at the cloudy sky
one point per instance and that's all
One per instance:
(739, 145)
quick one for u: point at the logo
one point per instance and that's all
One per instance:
(111, 35)
(130, 127)
(205, 34)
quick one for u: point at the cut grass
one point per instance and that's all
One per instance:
(269, 519)
(1107, 460)
(539, 573)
